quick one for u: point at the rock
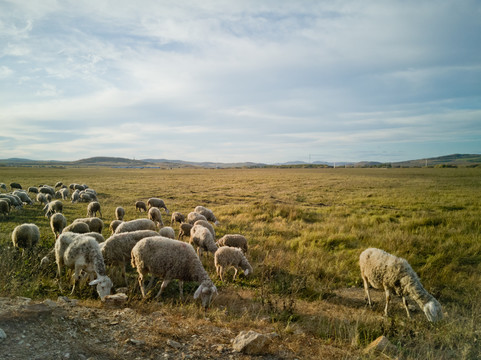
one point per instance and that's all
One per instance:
(250, 342)
(136, 342)
(37, 309)
(115, 300)
(174, 344)
(2, 334)
(381, 345)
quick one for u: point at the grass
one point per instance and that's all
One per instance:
(306, 229)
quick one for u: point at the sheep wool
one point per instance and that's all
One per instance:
(155, 215)
(393, 274)
(227, 256)
(57, 223)
(167, 232)
(95, 224)
(25, 236)
(192, 217)
(119, 213)
(92, 209)
(233, 240)
(77, 227)
(158, 203)
(137, 224)
(208, 213)
(185, 230)
(201, 237)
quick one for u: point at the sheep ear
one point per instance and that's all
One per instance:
(198, 291)
(94, 282)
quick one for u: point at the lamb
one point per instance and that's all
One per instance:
(95, 224)
(93, 208)
(119, 213)
(138, 224)
(167, 232)
(192, 217)
(114, 224)
(82, 253)
(172, 259)
(158, 203)
(77, 227)
(177, 217)
(233, 240)
(4, 207)
(140, 205)
(117, 249)
(203, 239)
(209, 215)
(206, 224)
(155, 215)
(227, 256)
(25, 236)
(53, 207)
(57, 223)
(185, 230)
(394, 274)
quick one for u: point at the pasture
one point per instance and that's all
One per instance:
(306, 229)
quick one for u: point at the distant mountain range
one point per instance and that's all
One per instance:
(448, 160)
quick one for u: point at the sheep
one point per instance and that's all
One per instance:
(4, 207)
(137, 224)
(233, 240)
(117, 249)
(75, 196)
(177, 217)
(23, 196)
(209, 215)
(53, 207)
(3, 186)
(82, 253)
(62, 193)
(394, 274)
(206, 224)
(155, 215)
(41, 198)
(140, 205)
(45, 189)
(203, 239)
(33, 189)
(114, 224)
(119, 213)
(78, 187)
(192, 217)
(93, 208)
(57, 223)
(77, 227)
(13, 200)
(167, 232)
(95, 224)
(15, 185)
(86, 197)
(185, 230)
(58, 184)
(25, 236)
(227, 256)
(158, 203)
(171, 259)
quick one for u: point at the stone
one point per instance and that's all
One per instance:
(381, 345)
(250, 342)
(174, 344)
(115, 300)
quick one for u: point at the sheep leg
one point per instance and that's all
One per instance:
(388, 298)
(151, 282)
(162, 287)
(406, 306)
(181, 289)
(366, 290)
(235, 273)
(141, 284)
(124, 274)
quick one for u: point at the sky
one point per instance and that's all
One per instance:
(240, 80)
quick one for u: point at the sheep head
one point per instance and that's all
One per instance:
(104, 284)
(433, 310)
(206, 291)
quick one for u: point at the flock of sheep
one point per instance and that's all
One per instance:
(151, 248)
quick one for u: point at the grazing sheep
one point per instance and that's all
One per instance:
(86, 197)
(117, 249)
(209, 215)
(201, 237)
(53, 207)
(185, 230)
(137, 224)
(82, 253)
(4, 207)
(140, 205)
(95, 224)
(192, 217)
(171, 259)
(177, 217)
(391, 273)
(158, 203)
(57, 223)
(13, 200)
(45, 189)
(15, 185)
(227, 256)
(119, 213)
(58, 184)
(93, 208)
(79, 187)
(167, 232)
(62, 193)
(41, 198)
(3, 186)
(155, 215)
(206, 224)
(23, 195)
(114, 224)
(75, 196)
(77, 227)
(25, 236)
(33, 189)
(233, 240)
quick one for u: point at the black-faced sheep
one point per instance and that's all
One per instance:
(134, 225)
(208, 213)
(227, 256)
(119, 213)
(171, 259)
(93, 208)
(233, 240)
(26, 236)
(393, 274)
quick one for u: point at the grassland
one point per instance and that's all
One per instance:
(306, 229)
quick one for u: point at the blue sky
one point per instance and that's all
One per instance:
(231, 81)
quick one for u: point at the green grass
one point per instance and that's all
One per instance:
(306, 229)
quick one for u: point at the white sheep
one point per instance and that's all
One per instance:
(167, 232)
(193, 216)
(171, 259)
(208, 225)
(393, 274)
(208, 213)
(52, 207)
(62, 193)
(77, 227)
(119, 213)
(95, 224)
(140, 205)
(227, 256)
(23, 195)
(158, 203)
(117, 249)
(57, 223)
(233, 240)
(137, 224)
(12, 200)
(201, 237)
(42, 198)
(75, 196)
(25, 236)
(82, 253)
(155, 215)
(92, 209)
(4, 207)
